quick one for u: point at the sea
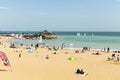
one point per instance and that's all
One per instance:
(77, 39)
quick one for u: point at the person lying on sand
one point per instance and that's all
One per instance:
(97, 53)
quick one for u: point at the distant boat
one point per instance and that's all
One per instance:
(84, 34)
(34, 38)
(78, 34)
(92, 35)
(20, 36)
(71, 45)
(41, 41)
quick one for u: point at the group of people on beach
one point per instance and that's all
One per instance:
(114, 57)
(81, 72)
(108, 49)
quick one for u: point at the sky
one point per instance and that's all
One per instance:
(60, 15)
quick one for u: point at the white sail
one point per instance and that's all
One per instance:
(40, 40)
(20, 36)
(92, 35)
(78, 34)
(84, 34)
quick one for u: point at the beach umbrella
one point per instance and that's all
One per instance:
(30, 50)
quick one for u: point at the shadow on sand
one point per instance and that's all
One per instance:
(3, 70)
(113, 62)
(116, 63)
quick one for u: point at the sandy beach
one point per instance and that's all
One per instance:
(34, 66)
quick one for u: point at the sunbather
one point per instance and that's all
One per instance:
(81, 72)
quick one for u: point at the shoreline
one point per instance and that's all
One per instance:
(93, 49)
(94, 42)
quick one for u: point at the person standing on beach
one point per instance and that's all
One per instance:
(63, 46)
(19, 55)
(117, 58)
(113, 56)
(36, 46)
(104, 49)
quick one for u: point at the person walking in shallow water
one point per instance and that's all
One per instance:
(108, 50)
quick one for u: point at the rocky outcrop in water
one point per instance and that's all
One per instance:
(48, 35)
(45, 35)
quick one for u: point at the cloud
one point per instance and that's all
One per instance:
(3, 8)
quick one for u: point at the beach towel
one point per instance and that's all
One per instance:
(82, 74)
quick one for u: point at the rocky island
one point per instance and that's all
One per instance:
(47, 35)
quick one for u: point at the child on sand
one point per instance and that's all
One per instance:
(19, 55)
(47, 57)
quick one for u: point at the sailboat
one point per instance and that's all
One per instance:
(84, 34)
(40, 41)
(78, 34)
(92, 35)
(20, 36)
